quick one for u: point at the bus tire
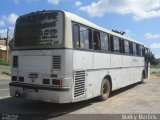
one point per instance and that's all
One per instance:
(105, 90)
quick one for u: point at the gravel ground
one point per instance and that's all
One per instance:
(5, 69)
(137, 98)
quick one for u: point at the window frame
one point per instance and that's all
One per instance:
(125, 52)
(134, 52)
(111, 47)
(108, 41)
(113, 44)
(89, 37)
(78, 36)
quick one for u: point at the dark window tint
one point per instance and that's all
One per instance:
(143, 51)
(40, 29)
(116, 44)
(90, 39)
(139, 48)
(130, 48)
(134, 49)
(76, 36)
(84, 37)
(126, 47)
(97, 41)
(104, 41)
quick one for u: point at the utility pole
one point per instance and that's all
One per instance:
(7, 44)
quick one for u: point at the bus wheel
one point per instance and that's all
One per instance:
(105, 90)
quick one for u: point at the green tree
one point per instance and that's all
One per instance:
(152, 59)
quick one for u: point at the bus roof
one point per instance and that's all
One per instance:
(76, 18)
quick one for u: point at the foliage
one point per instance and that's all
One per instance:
(3, 62)
(155, 66)
(153, 60)
(6, 73)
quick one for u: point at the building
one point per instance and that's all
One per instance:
(3, 49)
(3, 41)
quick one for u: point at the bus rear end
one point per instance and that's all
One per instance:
(41, 68)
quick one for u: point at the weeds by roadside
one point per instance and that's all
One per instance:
(6, 73)
(155, 66)
(156, 74)
(3, 62)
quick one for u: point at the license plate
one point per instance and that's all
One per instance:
(33, 75)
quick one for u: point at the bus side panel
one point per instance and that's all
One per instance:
(82, 60)
(116, 72)
(116, 61)
(101, 61)
(138, 67)
(127, 72)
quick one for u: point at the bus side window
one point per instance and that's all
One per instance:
(143, 51)
(76, 36)
(130, 48)
(90, 39)
(137, 47)
(116, 44)
(111, 43)
(134, 49)
(104, 41)
(139, 50)
(122, 46)
(96, 39)
(126, 47)
(84, 37)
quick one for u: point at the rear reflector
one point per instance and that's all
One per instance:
(57, 82)
(46, 81)
(14, 78)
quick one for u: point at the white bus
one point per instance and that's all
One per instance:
(60, 57)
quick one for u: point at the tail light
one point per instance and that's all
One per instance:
(14, 78)
(46, 81)
(57, 82)
(21, 79)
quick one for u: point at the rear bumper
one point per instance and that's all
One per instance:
(39, 87)
(41, 92)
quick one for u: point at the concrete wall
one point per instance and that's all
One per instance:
(3, 55)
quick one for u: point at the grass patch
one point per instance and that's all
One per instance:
(156, 74)
(3, 62)
(155, 66)
(6, 73)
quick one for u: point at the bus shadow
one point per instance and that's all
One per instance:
(33, 110)
(124, 89)
(28, 109)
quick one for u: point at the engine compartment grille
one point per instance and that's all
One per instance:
(79, 83)
(57, 62)
(15, 61)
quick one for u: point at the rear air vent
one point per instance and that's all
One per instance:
(79, 83)
(57, 62)
(15, 61)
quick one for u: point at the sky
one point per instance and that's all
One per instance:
(140, 19)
